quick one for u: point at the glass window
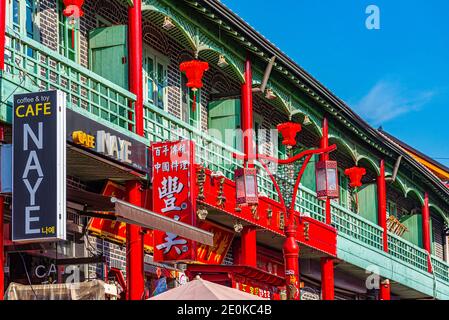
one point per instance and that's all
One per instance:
(344, 186)
(68, 35)
(189, 114)
(155, 79)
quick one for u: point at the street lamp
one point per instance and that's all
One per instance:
(327, 180)
(246, 186)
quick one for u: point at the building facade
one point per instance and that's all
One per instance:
(119, 66)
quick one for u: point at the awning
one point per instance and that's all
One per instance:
(128, 213)
(113, 209)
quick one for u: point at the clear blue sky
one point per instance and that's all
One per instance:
(397, 77)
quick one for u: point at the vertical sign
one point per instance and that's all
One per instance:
(39, 167)
(173, 174)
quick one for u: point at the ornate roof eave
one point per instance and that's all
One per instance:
(256, 43)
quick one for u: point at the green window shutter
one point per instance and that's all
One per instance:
(344, 189)
(414, 229)
(224, 118)
(367, 196)
(108, 53)
(308, 179)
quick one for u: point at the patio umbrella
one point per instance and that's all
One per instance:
(200, 289)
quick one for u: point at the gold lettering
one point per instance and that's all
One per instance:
(18, 114)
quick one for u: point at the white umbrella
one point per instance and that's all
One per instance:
(200, 289)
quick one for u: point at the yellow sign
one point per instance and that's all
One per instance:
(83, 139)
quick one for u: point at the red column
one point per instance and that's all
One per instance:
(2, 254)
(291, 260)
(426, 229)
(249, 247)
(327, 278)
(384, 290)
(135, 61)
(134, 248)
(382, 203)
(324, 157)
(247, 112)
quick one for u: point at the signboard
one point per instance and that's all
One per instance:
(253, 289)
(114, 230)
(106, 142)
(222, 243)
(173, 178)
(39, 177)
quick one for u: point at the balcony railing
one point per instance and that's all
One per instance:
(357, 227)
(32, 66)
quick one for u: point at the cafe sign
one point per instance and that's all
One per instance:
(39, 174)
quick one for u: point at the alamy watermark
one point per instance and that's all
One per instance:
(372, 22)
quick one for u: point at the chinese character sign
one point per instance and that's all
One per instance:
(173, 171)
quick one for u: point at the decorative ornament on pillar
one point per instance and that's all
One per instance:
(355, 175)
(194, 71)
(289, 130)
(327, 180)
(291, 256)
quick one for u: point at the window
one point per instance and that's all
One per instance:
(344, 189)
(155, 78)
(68, 35)
(20, 16)
(392, 209)
(189, 115)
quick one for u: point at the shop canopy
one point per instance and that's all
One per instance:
(200, 289)
(90, 203)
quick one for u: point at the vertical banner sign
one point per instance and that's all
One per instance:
(39, 167)
(173, 174)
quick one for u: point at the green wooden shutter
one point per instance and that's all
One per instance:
(108, 53)
(224, 115)
(308, 179)
(367, 195)
(414, 229)
(344, 189)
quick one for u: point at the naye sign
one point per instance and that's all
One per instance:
(39, 174)
(106, 142)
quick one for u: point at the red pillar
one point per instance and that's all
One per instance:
(327, 278)
(426, 229)
(384, 290)
(324, 157)
(135, 61)
(291, 260)
(2, 33)
(249, 247)
(247, 112)
(134, 248)
(2, 253)
(382, 203)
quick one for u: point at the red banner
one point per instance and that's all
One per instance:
(113, 230)
(173, 178)
(222, 242)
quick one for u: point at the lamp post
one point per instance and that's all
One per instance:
(290, 248)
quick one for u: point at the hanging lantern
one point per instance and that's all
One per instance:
(289, 130)
(246, 186)
(73, 8)
(194, 71)
(355, 175)
(327, 180)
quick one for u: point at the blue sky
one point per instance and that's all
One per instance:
(396, 77)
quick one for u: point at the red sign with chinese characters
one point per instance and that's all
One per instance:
(114, 230)
(173, 178)
(222, 242)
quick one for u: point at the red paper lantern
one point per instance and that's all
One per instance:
(194, 71)
(288, 131)
(73, 8)
(355, 175)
